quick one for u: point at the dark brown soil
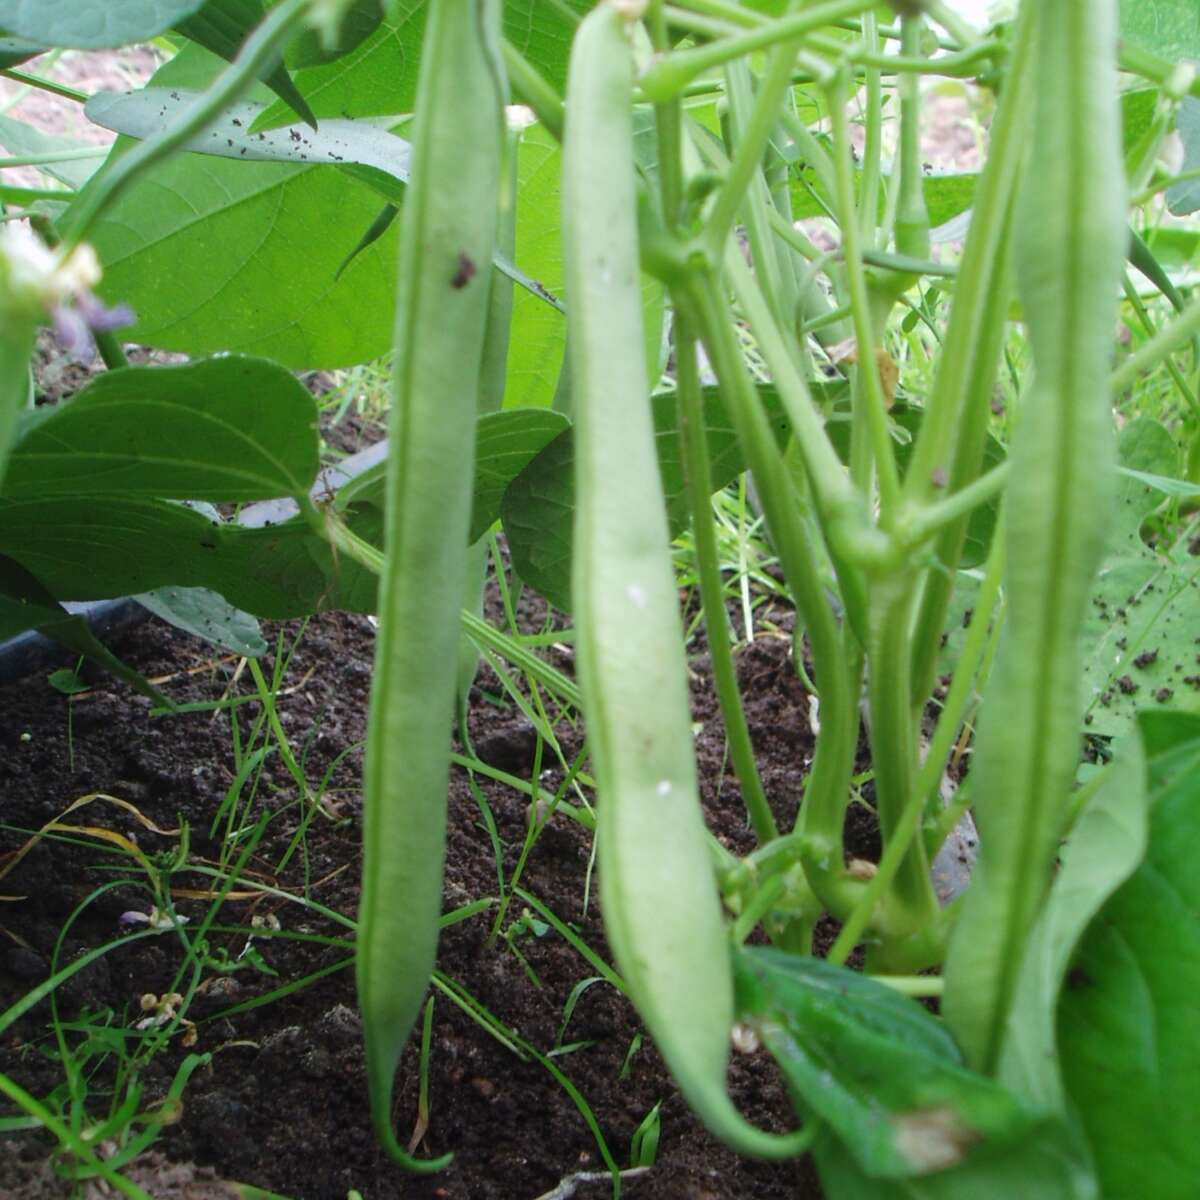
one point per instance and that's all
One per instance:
(282, 1104)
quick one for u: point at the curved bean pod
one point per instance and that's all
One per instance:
(446, 243)
(661, 908)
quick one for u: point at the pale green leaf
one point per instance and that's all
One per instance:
(93, 25)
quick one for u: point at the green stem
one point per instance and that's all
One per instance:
(870, 423)
(752, 139)
(937, 515)
(1143, 315)
(45, 85)
(873, 139)
(668, 77)
(70, 1139)
(258, 52)
(1168, 339)
(668, 119)
(951, 439)
(912, 217)
(982, 633)
(42, 160)
(909, 902)
(110, 349)
(827, 790)
(531, 88)
(694, 447)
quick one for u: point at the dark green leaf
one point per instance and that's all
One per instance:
(358, 23)
(84, 551)
(881, 1072)
(14, 51)
(505, 442)
(1127, 1019)
(66, 681)
(95, 25)
(25, 603)
(224, 429)
(222, 25)
(1102, 851)
(538, 509)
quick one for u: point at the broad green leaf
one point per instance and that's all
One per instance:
(504, 443)
(945, 196)
(1140, 627)
(1184, 198)
(379, 77)
(225, 429)
(19, 138)
(538, 510)
(1127, 1019)
(95, 25)
(1169, 28)
(359, 21)
(207, 615)
(82, 550)
(222, 25)
(361, 150)
(1138, 106)
(539, 334)
(26, 604)
(218, 255)
(1101, 852)
(875, 1067)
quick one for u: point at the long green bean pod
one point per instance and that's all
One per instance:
(447, 236)
(1070, 241)
(661, 907)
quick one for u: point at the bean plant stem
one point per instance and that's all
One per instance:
(984, 629)
(869, 422)
(45, 85)
(669, 76)
(1168, 339)
(873, 135)
(532, 88)
(752, 138)
(702, 303)
(694, 447)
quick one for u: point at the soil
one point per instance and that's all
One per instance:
(282, 1103)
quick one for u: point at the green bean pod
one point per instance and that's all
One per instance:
(1069, 242)
(661, 908)
(447, 236)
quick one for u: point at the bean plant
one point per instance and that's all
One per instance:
(707, 246)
